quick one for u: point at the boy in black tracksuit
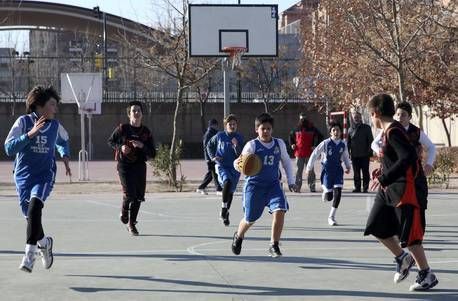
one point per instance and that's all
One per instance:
(397, 218)
(133, 145)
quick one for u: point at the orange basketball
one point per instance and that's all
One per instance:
(249, 164)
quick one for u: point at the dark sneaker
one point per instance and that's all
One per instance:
(225, 216)
(274, 250)
(356, 190)
(236, 244)
(425, 280)
(124, 216)
(403, 264)
(327, 196)
(312, 189)
(46, 253)
(132, 229)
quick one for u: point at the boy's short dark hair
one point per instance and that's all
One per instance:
(405, 106)
(263, 118)
(38, 97)
(229, 118)
(383, 104)
(134, 103)
(334, 124)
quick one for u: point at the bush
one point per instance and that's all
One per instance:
(446, 163)
(166, 168)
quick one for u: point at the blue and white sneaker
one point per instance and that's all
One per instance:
(403, 264)
(425, 280)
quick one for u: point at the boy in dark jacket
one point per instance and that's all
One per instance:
(133, 145)
(212, 130)
(397, 218)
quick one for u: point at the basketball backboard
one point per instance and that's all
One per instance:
(215, 27)
(84, 89)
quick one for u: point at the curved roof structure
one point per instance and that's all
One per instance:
(68, 17)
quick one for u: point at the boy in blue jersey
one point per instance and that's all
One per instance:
(332, 151)
(264, 189)
(223, 149)
(33, 139)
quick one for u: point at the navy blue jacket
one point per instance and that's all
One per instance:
(207, 136)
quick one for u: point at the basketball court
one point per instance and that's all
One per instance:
(183, 252)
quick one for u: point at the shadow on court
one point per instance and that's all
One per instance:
(247, 290)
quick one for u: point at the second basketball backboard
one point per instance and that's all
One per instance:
(84, 89)
(212, 28)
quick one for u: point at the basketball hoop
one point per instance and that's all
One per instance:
(235, 54)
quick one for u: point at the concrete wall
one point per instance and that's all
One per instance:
(158, 117)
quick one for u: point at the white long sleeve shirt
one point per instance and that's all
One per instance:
(428, 145)
(320, 151)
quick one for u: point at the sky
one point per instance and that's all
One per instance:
(143, 11)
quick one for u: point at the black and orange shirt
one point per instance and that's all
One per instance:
(398, 155)
(124, 134)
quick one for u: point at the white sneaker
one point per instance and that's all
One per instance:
(219, 193)
(28, 261)
(201, 191)
(332, 221)
(46, 252)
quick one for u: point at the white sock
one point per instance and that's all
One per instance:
(30, 248)
(224, 205)
(332, 213)
(43, 242)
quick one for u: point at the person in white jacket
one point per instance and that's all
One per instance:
(420, 140)
(332, 151)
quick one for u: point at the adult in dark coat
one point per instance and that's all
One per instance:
(359, 145)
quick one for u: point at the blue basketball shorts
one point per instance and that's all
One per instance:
(331, 178)
(227, 173)
(256, 197)
(26, 192)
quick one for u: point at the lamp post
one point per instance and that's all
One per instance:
(101, 15)
(26, 54)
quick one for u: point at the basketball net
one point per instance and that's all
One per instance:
(235, 55)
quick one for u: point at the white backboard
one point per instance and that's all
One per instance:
(84, 89)
(213, 27)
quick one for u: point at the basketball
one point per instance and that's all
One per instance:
(249, 164)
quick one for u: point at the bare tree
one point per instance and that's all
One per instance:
(272, 77)
(358, 48)
(167, 52)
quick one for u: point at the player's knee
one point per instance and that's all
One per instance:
(248, 222)
(35, 207)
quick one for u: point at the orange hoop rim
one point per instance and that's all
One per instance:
(234, 50)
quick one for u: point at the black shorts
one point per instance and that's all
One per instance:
(133, 180)
(385, 221)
